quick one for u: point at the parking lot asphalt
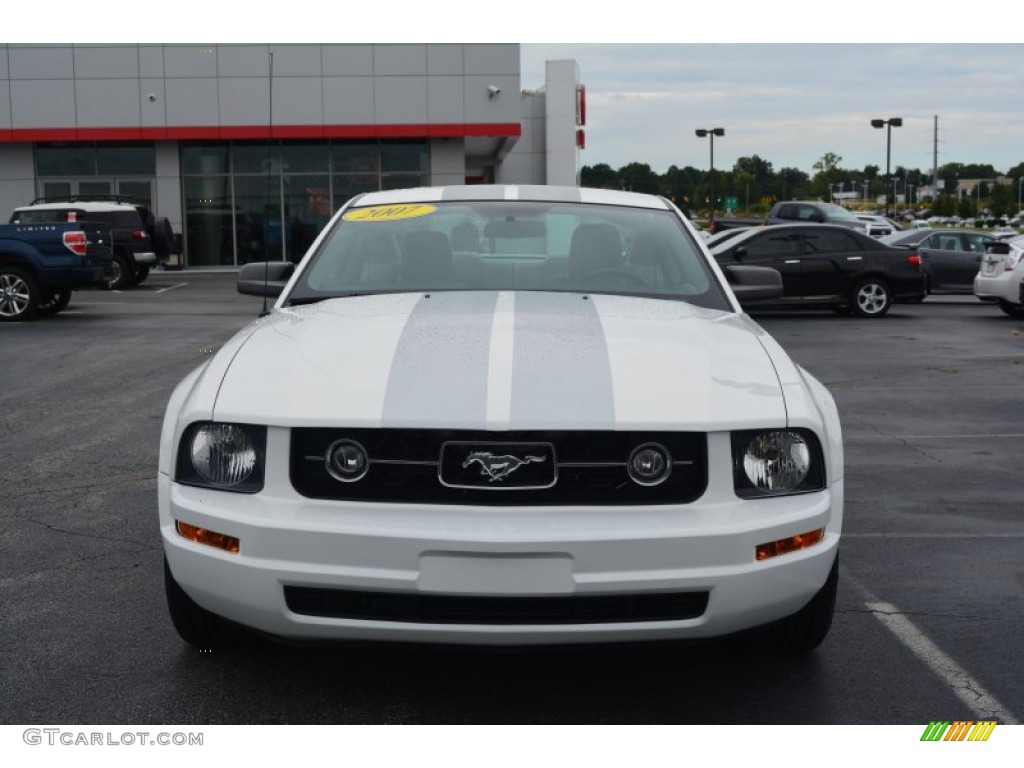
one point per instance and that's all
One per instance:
(927, 623)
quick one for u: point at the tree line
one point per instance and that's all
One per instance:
(754, 184)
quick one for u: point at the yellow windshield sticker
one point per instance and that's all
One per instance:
(389, 212)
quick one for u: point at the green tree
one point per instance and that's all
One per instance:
(826, 172)
(638, 177)
(600, 176)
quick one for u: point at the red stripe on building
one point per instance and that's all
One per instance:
(217, 133)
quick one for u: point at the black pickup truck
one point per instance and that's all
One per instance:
(795, 211)
(40, 264)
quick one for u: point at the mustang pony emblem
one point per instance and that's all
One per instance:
(499, 467)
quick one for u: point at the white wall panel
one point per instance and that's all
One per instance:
(108, 103)
(43, 103)
(106, 61)
(192, 101)
(348, 100)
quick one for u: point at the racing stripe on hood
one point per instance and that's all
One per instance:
(439, 371)
(561, 368)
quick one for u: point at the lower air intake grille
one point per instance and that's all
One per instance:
(462, 609)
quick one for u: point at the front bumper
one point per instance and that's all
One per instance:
(288, 541)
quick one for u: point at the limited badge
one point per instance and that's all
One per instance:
(389, 212)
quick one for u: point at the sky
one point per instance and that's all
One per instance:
(789, 81)
(791, 103)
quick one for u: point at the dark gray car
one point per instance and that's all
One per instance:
(950, 258)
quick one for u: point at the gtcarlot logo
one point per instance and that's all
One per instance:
(958, 730)
(69, 738)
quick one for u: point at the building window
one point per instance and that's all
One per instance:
(92, 159)
(270, 199)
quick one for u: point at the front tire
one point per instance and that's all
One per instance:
(196, 625)
(19, 295)
(806, 629)
(871, 298)
(1013, 310)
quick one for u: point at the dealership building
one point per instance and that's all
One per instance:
(249, 149)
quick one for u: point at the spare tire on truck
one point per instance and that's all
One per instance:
(162, 236)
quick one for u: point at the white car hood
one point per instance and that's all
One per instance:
(502, 361)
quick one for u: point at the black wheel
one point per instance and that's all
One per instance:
(123, 272)
(870, 298)
(19, 295)
(1013, 310)
(141, 274)
(804, 630)
(55, 302)
(196, 625)
(162, 235)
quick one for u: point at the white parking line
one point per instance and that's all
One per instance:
(171, 288)
(983, 704)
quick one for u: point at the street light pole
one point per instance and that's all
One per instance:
(711, 133)
(888, 125)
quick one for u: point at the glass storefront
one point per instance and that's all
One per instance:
(250, 201)
(243, 200)
(89, 169)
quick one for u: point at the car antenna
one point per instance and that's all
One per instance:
(270, 144)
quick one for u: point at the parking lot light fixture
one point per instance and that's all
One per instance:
(711, 133)
(892, 122)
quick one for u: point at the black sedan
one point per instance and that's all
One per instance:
(828, 265)
(950, 258)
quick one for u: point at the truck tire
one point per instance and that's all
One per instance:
(55, 302)
(162, 235)
(141, 274)
(19, 295)
(123, 272)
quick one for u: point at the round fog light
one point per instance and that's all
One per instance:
(649, 464)
(347, 461)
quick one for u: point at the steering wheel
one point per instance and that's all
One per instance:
(627, 275)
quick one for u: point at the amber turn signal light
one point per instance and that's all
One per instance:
(792, 544)
(210, 538)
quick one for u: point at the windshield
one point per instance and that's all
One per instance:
(510, 245)
(837, 213)
(908, 237)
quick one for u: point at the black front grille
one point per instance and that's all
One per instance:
(590, 467)
(462, 609)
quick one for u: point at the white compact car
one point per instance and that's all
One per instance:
(1001, 277)
(502, 415)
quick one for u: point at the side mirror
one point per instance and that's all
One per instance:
(740, 253)
(264, 278)
(753, 284)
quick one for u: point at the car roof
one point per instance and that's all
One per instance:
(512, 192)
(80, 205)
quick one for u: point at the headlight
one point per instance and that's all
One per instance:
(229, 457)
(776, 462)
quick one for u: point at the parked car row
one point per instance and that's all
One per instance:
(1001, 277)
(828, 265)
(56, 245)
(141, 241)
